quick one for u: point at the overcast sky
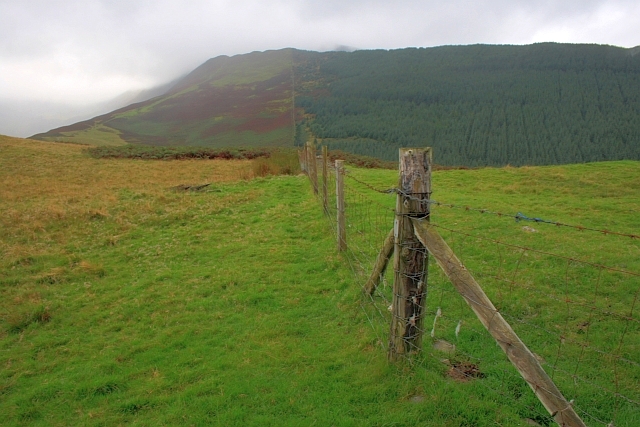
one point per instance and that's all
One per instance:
(81, 52)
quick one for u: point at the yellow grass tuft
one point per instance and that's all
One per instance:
(53, 276)
(91, 269)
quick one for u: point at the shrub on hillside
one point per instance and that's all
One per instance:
(150, 152)
(280, 162)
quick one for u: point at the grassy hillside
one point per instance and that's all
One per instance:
(125, 301)
(245, 100)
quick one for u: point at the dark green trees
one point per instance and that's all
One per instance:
(477, 105)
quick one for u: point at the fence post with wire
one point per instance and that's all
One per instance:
(312, 165)
(410, 256)
(325, 189)
(578, 316)
(340, 207)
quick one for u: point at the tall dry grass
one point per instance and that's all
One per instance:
(280, 162)
(46, 187)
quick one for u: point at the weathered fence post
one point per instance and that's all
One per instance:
(306, 159)
(325, 196)
(410, 256)
(342, 231)
(312, 166)
(303, 158)
(381, 264)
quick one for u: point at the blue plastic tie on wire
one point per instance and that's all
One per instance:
(522, 217)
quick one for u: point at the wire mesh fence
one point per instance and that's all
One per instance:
(578, 316)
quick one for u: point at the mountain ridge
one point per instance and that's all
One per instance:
(543, 103)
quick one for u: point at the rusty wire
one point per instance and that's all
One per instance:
(358, 259)
(517, 216)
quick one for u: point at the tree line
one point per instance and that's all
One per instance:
(475, 105)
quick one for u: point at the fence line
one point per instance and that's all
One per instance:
(518, 216)
(579, 316)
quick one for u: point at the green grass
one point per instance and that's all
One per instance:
(125, 302)
(579, 318)
(250, 69)
(99, 134)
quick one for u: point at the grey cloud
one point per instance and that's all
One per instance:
(86, 51)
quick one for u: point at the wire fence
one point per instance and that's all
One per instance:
(578, 316)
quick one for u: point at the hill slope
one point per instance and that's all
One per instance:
(227, 101)
(476, 105)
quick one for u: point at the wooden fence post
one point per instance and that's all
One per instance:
(342, 231)
(312, 166)
(381, 264)
(307, 151)
(308, 159)
(302, 154)
(325, 196)
(410, 256)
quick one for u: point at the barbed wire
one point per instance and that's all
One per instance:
(566, 258)
(517, 216)
(383, 315)
(348, 174)
(521, 217)
(571, 354)
(388, 208)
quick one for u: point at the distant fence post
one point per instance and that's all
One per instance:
(342, 231)
(325, 197)
(308, 159)
(312, 166)
(410, 256)
(302, 156)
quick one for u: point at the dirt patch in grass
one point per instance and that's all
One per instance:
(464, 371)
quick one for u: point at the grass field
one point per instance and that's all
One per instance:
(571, 295)
(98, 134)
(124, 301)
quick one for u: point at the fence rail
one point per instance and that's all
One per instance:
(577, 316)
